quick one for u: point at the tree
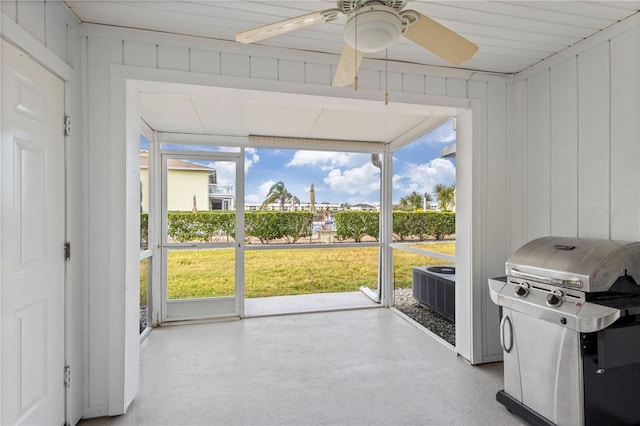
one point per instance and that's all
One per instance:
(278, 193)
(427, 200)
(445, 196)
(403, 204)
(413, 201)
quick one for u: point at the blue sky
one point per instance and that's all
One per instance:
(345, 177)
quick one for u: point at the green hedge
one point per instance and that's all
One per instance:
(355, 225)
(423, 225)
(415, 225)
(201, 226)
(267, 226)
(439, 225)
(144, 231)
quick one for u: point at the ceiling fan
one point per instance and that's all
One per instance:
(373, 25)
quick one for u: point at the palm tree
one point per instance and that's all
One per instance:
(278, 192)
(444, 194)
(403, 204)
(413, 201)
(410, 202)
(427, 200)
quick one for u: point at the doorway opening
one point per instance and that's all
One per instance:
(202, 230)
(146, 239)
(424, 232)
(301, 209)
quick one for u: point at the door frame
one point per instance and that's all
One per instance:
(231, 307)
(70, 348)
(73, 293)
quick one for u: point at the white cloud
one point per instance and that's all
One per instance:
(253, 199)
(448, 137)
(423, 177)
(326, 160)
(360, 180)
(261, 193)
(225, 171)
(251, 157)
(445, 134)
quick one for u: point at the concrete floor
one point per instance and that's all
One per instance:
(306, 303)
(355, 367)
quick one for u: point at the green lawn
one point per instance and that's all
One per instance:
(206, 273)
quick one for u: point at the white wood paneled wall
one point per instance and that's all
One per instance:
(624, 209)
(574, 143)
(49, 22)
(492, 219)
(169, 52)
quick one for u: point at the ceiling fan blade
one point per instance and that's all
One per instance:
(287, 25)
(440, 40)
(347, 67)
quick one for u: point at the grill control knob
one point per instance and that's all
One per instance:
(554, 300)
(522, 290)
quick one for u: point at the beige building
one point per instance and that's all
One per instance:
(185, 181)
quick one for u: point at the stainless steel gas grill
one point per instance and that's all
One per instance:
(570, 331)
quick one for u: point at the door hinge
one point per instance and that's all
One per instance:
(67, 251)
(67, 376)
(67, 125)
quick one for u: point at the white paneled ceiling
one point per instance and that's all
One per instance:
(511, 35)
(231, 112)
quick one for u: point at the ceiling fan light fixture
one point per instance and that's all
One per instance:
(378, 27)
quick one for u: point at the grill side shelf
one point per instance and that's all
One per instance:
(629, 305)
(495, 287)
(593, 317)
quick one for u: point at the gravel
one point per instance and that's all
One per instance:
(143, 317)
(437, 324)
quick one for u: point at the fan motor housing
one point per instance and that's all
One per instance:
(373, 28)
(350, 6)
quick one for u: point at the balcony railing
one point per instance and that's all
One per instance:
(216, 189)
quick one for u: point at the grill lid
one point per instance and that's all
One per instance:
(589, 264)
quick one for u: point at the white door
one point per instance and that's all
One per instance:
(203, 235)
(32, 234)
